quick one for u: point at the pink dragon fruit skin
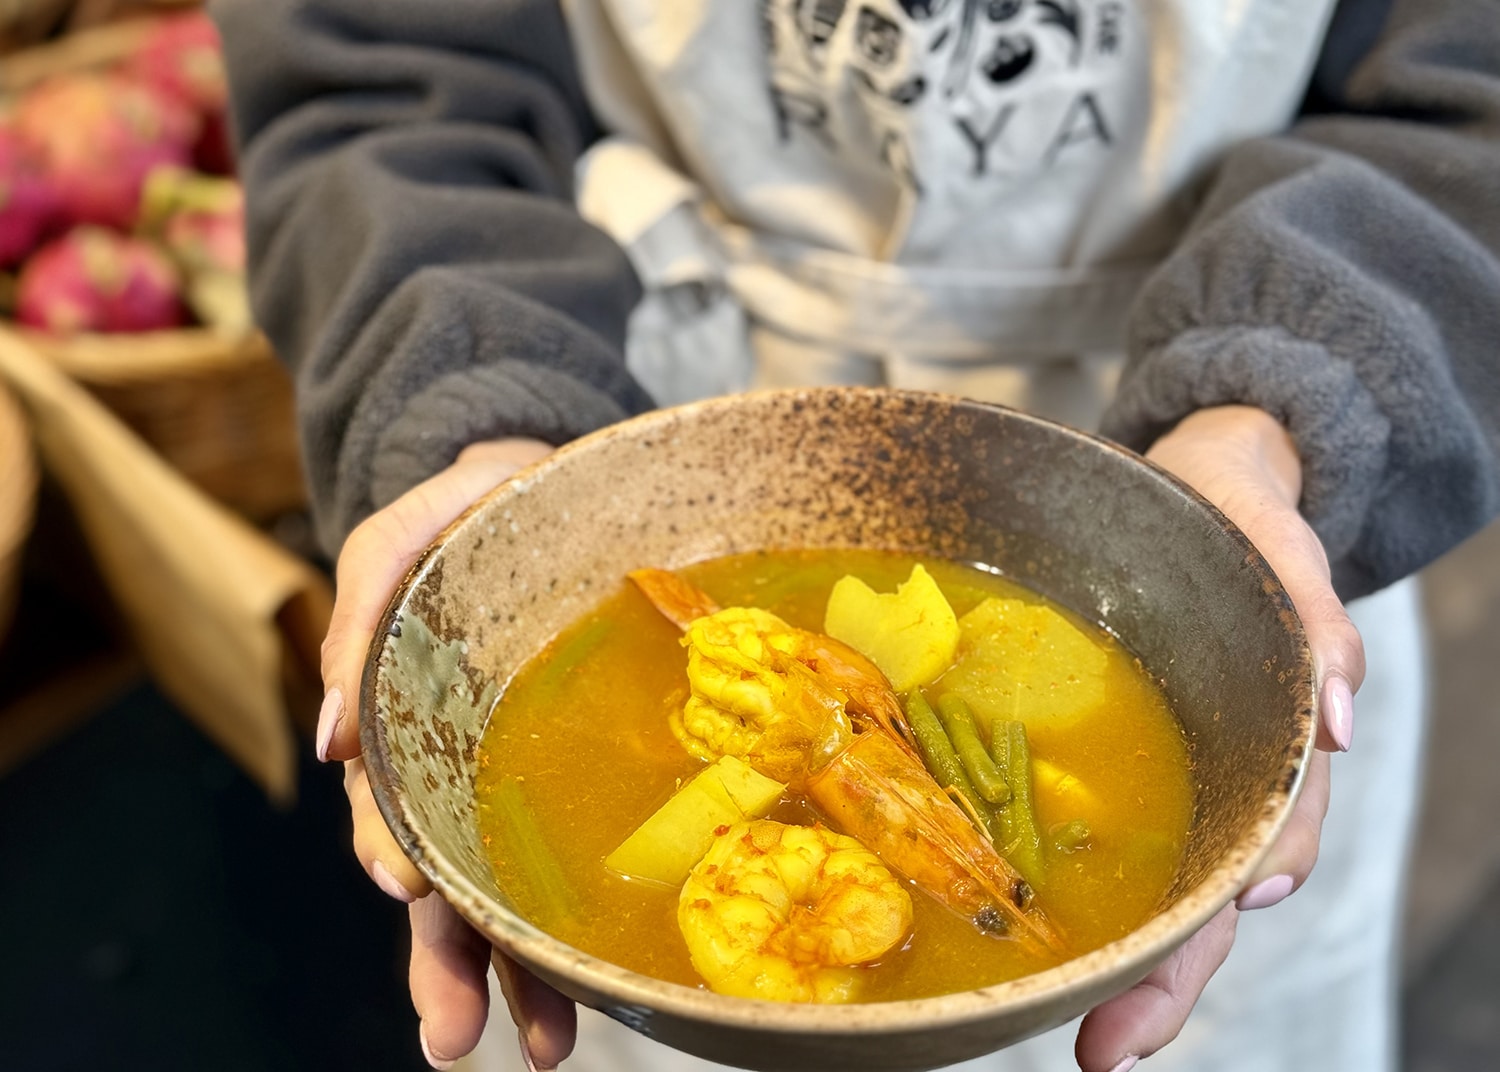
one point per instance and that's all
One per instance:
(182, 58)
(28, 203)
(208, 241)
(94, 279)
(98, 136)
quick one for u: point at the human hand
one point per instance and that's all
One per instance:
(1245, 463)
(449, 960)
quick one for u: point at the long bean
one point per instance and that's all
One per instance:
(942, 761)
(1019, 835)
(570, 655)
(521, 841)
(958, 720)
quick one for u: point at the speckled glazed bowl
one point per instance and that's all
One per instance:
(1073, 516)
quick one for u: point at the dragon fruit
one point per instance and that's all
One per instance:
(200, 221)
(183, 60)
(98, 136)
(28, 203)
(94, 279)
(199, 218)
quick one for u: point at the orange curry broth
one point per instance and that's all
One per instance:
(592, 755)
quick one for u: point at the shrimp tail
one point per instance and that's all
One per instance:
(678, 601)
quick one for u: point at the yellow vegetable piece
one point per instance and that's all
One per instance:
(668, 845)
(1019, 660)
(1070, 795)
(910, 634)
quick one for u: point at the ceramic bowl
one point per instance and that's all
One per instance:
(1075, 517)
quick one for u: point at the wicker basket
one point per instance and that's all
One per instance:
(40, 31)
(18, 483)
(219, 410)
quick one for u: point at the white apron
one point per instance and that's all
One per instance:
(964, 195)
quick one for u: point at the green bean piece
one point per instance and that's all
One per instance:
(958, 721)
(570, 655)
(521, 841)
(1019, 832)
(1072, 835)
(938, 755)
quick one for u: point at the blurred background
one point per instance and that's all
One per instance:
(178, 888)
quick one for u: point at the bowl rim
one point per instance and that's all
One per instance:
(1112, 967)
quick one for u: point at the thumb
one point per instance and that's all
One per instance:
(374, 559)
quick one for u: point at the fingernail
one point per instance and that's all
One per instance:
(329, 717)
(432, 1059)
(1338, 704)
(1265, 894)
(531, 1065)
(387, 881)
(1127, 1064)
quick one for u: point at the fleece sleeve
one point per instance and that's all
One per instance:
(415, 255)
(1345, 277)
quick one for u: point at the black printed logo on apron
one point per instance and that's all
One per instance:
(1022, 83)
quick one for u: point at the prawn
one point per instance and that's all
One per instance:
(805, 709)
(842, 673)
(790, 913)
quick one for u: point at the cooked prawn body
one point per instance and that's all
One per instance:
(751, 697)
(790, 913)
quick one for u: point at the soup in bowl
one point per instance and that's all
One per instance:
(716, 603)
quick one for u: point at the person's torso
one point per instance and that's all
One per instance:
(935, 177)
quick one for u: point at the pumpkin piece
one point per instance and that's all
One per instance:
(910, 634)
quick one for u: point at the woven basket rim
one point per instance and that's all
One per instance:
(90, 48)
(151, 355)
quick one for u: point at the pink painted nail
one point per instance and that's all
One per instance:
(1338, 707)
(1265, 894)
(1127, 1064)
(387, 882)
(432, 1059)
(329, 717)
(531, 1065)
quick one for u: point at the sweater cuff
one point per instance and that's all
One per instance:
(508, 398)
(1341, 434)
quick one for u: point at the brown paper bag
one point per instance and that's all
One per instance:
(227, 621)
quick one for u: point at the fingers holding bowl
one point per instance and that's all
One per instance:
(1117, 1034)
(1296, 555)
(546, 1021)
(447, 977)
(449, 959)
(377, 554)
(1243, 461)
(1292, 857)
(1150, 1015)
(380, 856)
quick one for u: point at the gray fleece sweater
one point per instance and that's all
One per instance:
(417, 260)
